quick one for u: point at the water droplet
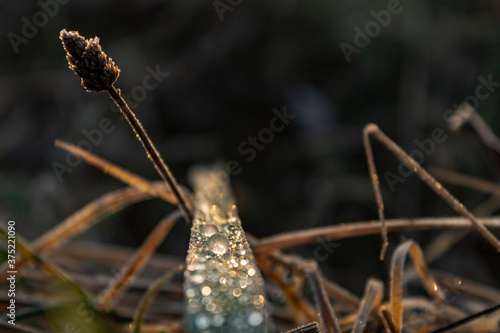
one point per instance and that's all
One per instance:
(218, 320)
(255, 318)
(202, 322)
(205, 291)
(198, 278)
(237, 292)
(218, 244)
(208, 229)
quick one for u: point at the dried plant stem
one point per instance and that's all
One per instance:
(308, 328)
(149, 295)
(340, 293)
(113, 255)
(152, 153)
(119, 173)
(442, 243)
(460, 286)
(310, 270)
(331, 288)
(117, 286)
(467, 320)
(373, 295)
(372, 129)
(296, 303)
(376, 185)
(396, 287)
(327, 317)
(301, 237)
(82, 220)
(388, 322)
(455, 178)
(466, 114)
(49, 268)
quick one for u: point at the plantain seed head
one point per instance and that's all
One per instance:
(88, 61)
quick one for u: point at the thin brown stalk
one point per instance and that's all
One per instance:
(396, 282)
(340, 293)
(387, 320)
(302, 311)
(460, 286)
(152, 291)
(488, 207)
(327, 317)
(466, 325)
(113, 255)
(117, 286)
(301, 237)
(331, 288)
(310, 270)
(50, 268)
(172, 326)
(369, 129)
(442, 243)
(372, 129)
(119, 173)
(466, 114)
(436, 309)
(373, 294)
(308, 328)
(98, 72)
(83, 219)
(455, 178)
(152, 153)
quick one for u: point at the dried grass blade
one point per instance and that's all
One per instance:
(301, 309)
(117, 286)
(371, 300)
(149, 296)
(301, 237)
(396, 287)
(442, 243)
(119, 173)
(83, 219)
(163, 170)
(327, 317)
(459, 286)
(308, 328)
(375, 184)
(49, 268)
(430, 182)
(387, 319)
(338, 292)
(455, 178)
(467, 320)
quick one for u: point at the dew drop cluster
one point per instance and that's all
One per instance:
(223, 286)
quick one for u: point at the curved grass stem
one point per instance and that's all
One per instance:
(152, 153)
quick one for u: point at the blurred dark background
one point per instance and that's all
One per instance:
(230, 64)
